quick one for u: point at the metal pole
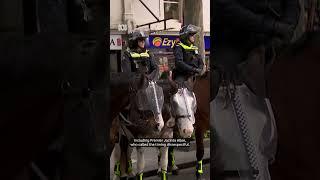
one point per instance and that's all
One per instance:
(148, 9)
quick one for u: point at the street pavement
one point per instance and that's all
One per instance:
(181, 157)
(186, 174)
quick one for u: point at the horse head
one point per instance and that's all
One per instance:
(147, 100)
(184, 106)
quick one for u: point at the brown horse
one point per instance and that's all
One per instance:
(202, 92)
(120, 84)
(201, 88)
(294, 90)
(144, 124)
(45, 80)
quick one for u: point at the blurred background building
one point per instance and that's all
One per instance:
(161, 19)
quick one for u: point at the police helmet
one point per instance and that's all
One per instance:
(187, 30)
(135, 36)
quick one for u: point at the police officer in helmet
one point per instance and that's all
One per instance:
(187, 59)
(138, 58)
(188, 63)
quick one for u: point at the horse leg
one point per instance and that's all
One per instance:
(140, 162)
(200, 150)
(116, 156)
(120, 158)
(172, 167)
(129, 169)
(163, 162)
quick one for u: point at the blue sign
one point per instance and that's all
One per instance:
(207, 42)
(167, 41)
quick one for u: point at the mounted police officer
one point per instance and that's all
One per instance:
(248, 35)
(137, 58)
(188, 62)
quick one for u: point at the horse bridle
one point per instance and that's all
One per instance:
(182, 116)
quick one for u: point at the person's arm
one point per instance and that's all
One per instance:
(235, 15)
(178, 54)
(125, 63)
(153, 64)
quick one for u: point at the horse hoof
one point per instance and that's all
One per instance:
(139, 176)
(199, 176)
(131, 178)
(164, 175)
(174, 170)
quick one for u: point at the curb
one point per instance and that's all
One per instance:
(193, 147)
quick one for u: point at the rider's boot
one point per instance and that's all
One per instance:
(199, 170)
(172, 168)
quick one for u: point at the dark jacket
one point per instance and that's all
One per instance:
(245, 24)
(239, 27)
(186, 59)
(133, 61)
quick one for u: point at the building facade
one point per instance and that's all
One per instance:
(127, 15)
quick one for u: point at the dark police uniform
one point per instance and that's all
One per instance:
(134, 61)
(187, 61)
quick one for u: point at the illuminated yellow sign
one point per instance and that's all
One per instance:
(165, 42)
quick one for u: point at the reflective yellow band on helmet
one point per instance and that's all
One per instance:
(192, 47)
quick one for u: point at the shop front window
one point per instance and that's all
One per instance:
(171, 9)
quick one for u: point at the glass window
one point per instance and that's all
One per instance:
(171, 9)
